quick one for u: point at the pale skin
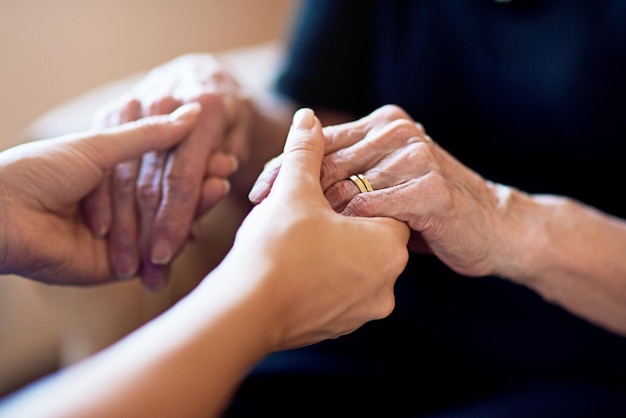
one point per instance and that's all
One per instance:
(287, 294)
(568, 252)
(43, 182)
(170, 191)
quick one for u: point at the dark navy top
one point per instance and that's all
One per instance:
(529, 93)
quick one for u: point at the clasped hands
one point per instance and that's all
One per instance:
(149, 206)
(452, 211)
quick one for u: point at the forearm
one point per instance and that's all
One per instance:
(570, 253)
(186, 362)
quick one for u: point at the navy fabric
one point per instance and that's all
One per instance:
(528, 93)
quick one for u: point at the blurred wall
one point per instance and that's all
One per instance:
(52, 50)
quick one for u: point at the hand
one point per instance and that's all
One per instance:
(450, 209)
(158, 197)
(298, 273)
(42, 233)
(332, 273)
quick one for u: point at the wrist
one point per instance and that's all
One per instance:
(522, 236)
(239, 291)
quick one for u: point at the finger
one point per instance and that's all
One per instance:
(181, 184)
(264, 182)
(96, 208)
(127, 143)
(215, 185)
(148, 197)
(97, 205)
(221, 165)
(393, 205)
(394, 202)
(214, 189)
(344, 135)
(238, 132)
(304, 150)
(152, 163)
(377, 145)
(402, 165)
(124, 231)
(122, 239)
(132, 139)
(355, 131)
(340, 193)
(148, 200)
(154, 277)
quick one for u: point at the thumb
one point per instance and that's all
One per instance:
(303, 153)
(130, 140)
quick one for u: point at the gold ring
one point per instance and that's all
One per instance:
(367, 184)
(362, 183)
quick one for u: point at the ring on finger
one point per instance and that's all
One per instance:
(362, 183)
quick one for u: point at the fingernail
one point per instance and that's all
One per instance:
(186, 111)
(304, 118)
(235, 162)
(161, 253)
(124, 267)
(255, 193)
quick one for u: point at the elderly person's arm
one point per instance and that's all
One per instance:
(568, 252)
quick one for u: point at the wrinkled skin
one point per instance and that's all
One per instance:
(447, 206)
(43, 234)
(148, 206)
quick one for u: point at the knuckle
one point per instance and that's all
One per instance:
(337, 195)
(130, 105)
(361, 205)
(415, 156)
(123, 181)
(386, 306)
(420, 128)
(148, 196)
(437, 189)
(182, 183)
(405, 129)
(392, 111)
(212, 102)
(162, 105)
(329, 168)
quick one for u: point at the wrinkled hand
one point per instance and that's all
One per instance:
(332, 272)
(150, 204)
(42, 232)
(452, 211)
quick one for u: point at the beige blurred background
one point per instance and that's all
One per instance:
(54, 51)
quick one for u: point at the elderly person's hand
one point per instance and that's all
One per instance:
(350, 264)
(149, 207)
(43, 234)
(452, 211)
(298, 273)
